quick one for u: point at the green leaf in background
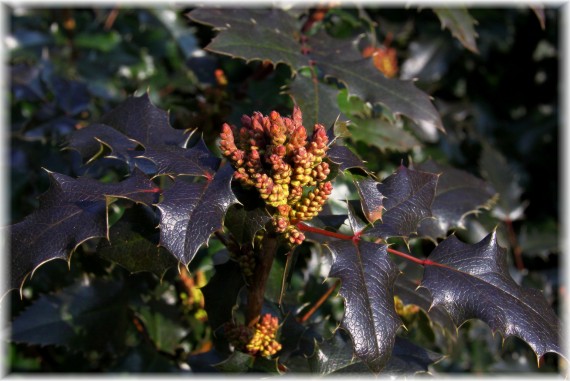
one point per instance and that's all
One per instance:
(84, 316)
(104, 42)
(382, 134)
(317, 100)
(461, 24)
(165, 333)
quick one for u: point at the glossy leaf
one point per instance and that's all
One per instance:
(133, 244)
(460, 24)
(458, 194)
(244, 222)
(253, 34)
(71, 212)
(75, 318)
(370, 198)
(191, 212)
(175, 161)
(473, 281)
(407, 199)
(367, 275)
(345, 158)
(410, 293)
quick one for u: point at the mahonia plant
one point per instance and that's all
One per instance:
(274, 155)
(287, 174)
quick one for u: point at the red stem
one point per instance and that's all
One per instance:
(356, 237)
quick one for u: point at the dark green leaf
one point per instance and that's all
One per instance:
(133, 244)
(382, 134)
(461, 24)
(367, 275)
(473, 281)
(254, 34)
(317, 100)
(76, 317)
(238, 362)
(165, 333)
(244, 222)
(219, 305)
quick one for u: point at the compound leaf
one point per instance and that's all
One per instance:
(460, 24)
(71, 212)
(473, 281)
(407, 197)
(458, 194)
(367, 275)
(342, 60)
(191, 212)
(75, 317)
(254, 34)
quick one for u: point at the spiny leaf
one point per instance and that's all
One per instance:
(342, 60)
(191, 212)
(410, 293)
(473, 281)
(133, 243)
(370, 198)
(317, 100)
(407, 198)
(458, 194)
(75, 317)
(344, 158)
(135, 121)
(244, 222)
(367, 275)
(254, 34)
(71, 212)
(461, 24)
(175, 161)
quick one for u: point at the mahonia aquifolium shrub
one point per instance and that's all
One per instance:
(274, 155)
(259, 340)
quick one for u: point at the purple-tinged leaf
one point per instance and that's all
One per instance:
(191, 212)
(71, 212)
(538, 10)
(133, 243)
(460, 24)
(140, 120)
(342, 60)
(473, 281)
(254, 34)
(367, 275)
(408, 197)
(458, 194)
(410, 293)
(344, 158)
(90, 141)
(370, 198)
(174, 160)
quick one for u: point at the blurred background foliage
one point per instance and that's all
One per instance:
(68, 66)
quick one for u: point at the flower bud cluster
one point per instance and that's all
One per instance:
(274, 155)
(257, 341)
(245, 257)
(263, 342)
